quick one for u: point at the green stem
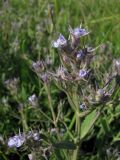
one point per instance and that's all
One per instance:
(23, 115)
(78, 125)
(70, 126)
(75, 153)
(45, 115)
(47, 88)
(24, 122)
(3, 156)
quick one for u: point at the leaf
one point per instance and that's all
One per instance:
(105, 126)
(88, 123)
(65, 145)
(23, 93)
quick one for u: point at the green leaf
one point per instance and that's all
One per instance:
(23, 93)
(105, 125)
(65, 145)
(88, 123)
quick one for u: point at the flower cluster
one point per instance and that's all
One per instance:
(19, 139)
(77, 68)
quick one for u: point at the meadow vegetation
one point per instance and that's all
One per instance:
(59, 99)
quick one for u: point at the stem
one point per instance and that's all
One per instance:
(3, 155)
(78, 125)
(24, 122)
(53, 114)
(50, 103)
(47, 88)
(23, 116)
(71, 102)
(45, 115)
(70, 126)
(75, 153)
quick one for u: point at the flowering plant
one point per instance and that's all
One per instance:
(76, 77)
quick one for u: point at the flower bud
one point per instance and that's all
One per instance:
(33, 100)
(38, 66)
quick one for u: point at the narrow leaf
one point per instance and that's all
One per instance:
(88, 123)
(105, 126)
(65, 145)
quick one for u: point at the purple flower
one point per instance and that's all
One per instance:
(80, 55)
(16, 141)
(60, 42)
(38, 66)
(45, 77)
(61, 72)
(78, 32)
(83, 73)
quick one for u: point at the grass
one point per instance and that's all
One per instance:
(27, 28)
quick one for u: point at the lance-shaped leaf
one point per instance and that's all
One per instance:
(88, 123)
(65, 145)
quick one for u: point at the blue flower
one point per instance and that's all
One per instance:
(60, 42)
(16, 141)
(80, 55)
(78, 32)
(83, 73)
(82, 106)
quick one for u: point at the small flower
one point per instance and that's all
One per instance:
(60, 42)
(78, 32)
(82, 106)
(38, 66)
(45, 77)
(33, 135)
(12, 85)
(16, 141)
(80, 55)
(11, 82)
(63, 74)
(83, 73)
(36, 136)
(33, 100)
